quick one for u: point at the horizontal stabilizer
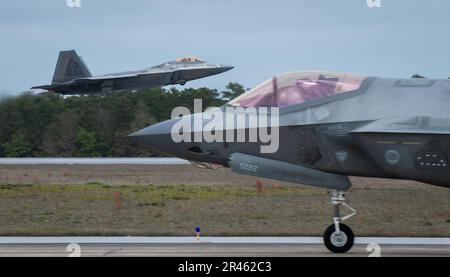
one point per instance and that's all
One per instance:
(45, 87)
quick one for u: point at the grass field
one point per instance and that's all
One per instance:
(386, 208)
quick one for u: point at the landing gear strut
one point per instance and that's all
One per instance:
(338, 237)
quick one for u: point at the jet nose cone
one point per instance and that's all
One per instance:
(225, 68)
(161, 128)
(218, 69)
(201, 72)
(159, 137)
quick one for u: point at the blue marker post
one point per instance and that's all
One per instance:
(197, 233)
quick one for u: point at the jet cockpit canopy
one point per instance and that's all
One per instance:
(298, 87)
(190, 59)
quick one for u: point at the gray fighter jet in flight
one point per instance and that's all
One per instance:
(72, 76)
(331, 126)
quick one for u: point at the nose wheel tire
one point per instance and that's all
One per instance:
(338, 241)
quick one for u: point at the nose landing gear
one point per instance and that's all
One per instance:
(338, 237)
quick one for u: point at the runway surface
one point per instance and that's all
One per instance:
(216, 246)
(92, 161)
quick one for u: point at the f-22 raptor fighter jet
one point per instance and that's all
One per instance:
(331, 126)
(73, 77)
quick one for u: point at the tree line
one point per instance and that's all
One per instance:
(49, 125)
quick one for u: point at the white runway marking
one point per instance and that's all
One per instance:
(92, 161)
(221, 240)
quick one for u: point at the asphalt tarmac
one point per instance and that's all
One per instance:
(256, 247)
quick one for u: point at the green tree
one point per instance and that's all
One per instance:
(233, 91)
(142, 117)
(86, 144)
(17, 147)
(60, 136)
(103, 130)
(122, 112)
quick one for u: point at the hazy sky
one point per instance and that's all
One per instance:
(260, 37)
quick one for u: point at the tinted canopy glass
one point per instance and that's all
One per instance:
(298, 87)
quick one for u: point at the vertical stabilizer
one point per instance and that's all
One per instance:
(69, 66)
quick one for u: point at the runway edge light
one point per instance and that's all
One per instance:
(197, 232)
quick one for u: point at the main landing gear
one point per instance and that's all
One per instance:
(338, 237)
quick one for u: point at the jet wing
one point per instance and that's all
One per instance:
(112, 82)
(412, 125)
(123, 81)
(105, 77)
(102, 78)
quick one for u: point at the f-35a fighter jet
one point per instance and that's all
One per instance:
(330, 126)
(73, 77)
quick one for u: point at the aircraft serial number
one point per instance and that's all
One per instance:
(248, 167)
